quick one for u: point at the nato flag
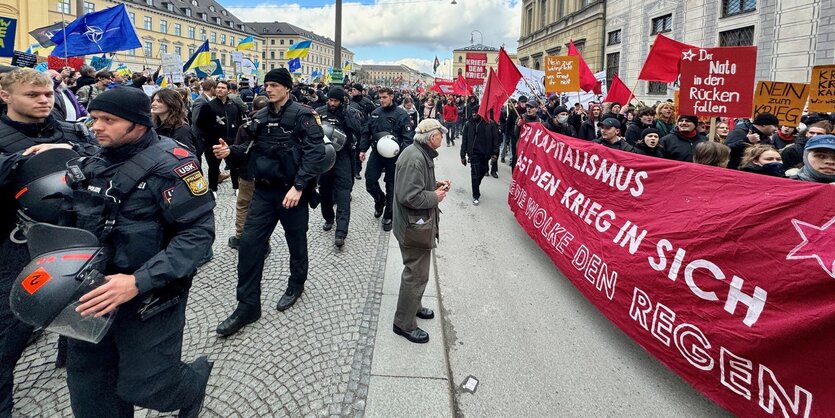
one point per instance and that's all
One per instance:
(107, 30)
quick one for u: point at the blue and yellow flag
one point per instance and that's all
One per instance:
(346, 67)
(201, 58)
(245, 44)
(299, 50)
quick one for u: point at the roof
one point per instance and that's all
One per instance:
(284, 28)
(476, 47)
(390, 67)
(211, 8)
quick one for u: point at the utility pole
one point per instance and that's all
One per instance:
(337, 77)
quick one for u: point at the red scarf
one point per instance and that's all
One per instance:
(689, 135)
(787, 138)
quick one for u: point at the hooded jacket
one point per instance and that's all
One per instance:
(676, 147)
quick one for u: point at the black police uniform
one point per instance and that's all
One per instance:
(218, 120)
(158, 233)
(336, 183)
(15, 137)
(365, 106)
(287, 147)
(397, 122)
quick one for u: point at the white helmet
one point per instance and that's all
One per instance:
(387, 145)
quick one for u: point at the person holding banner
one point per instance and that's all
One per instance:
(680, 143)
(610, 136)
(819, 160)
(559, 122)
(763, 159)
(635, 129)
(648, 144)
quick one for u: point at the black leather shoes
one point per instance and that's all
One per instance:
(425, 313)
(234, 242)
(386, 225)
(339, 241)
(204, 367)
(239, 319)
(378, 208)
(327, 226)
(495, 175)
(418, 336)
(288, 299)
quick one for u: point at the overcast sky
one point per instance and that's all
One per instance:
(410, 32)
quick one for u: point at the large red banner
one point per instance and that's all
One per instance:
(475, 68)
(726, 277)
(718, 81)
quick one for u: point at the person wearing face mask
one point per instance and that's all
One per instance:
(635, 129)
(649, 143)
(679, 144)
(763, 159)
(559, 122)
(589, 130)
(480, 142)
(759, 131)
(819, 160)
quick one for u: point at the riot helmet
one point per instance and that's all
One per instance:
(386, 144)
(41, 184)
(335, 135)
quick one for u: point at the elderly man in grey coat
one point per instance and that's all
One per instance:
(416, 199)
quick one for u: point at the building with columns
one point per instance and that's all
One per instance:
(549, 25)
(459, 58)
(387, 74)
(791, 35)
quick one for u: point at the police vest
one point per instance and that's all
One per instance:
(12, 140)
(276, 153)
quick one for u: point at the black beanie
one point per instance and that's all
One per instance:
(129, 103)
(560, 109)
(337, 93)
(280, 76)
(648, 131)
(690, 118)
(357, 86)
(766, 119)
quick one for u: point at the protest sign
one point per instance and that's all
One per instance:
(150, 89)
(57, 63)
(22, 59)
(784, 100)
(8, 29)
(562, 74)
(237, 56)
(739, 306)
(822, 92)
(248, 67)
(718, 81)
(476, 68)
(172, 65)
(100, 62)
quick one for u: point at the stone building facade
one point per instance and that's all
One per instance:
(459, 58)
(278, 37)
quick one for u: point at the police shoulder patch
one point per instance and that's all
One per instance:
(185, 169)
(197, 185)
(180, 153)
(167, 194)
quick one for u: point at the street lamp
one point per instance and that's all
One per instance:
(479, 33)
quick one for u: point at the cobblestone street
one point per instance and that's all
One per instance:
(312, 360)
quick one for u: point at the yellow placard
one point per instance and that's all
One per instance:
(562, 74)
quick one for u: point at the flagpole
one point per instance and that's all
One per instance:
(550, 116)
(64, 33)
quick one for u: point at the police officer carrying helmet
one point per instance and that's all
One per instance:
(26, 128)
(146, 199)
(365, 106)
(388, 119)
(285, 158)
(336, 183)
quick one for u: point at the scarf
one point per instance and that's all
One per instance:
(689, 135)
(787, 138)
(807, 173)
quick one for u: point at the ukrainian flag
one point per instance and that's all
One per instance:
(347, 67)
(201, 58)
(299, 50)
(246, 43)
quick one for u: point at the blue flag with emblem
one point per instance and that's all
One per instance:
(294, 65)
(213, 68)
(8, 28)
(107, 30)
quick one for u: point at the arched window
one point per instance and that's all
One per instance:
(536, 65)
(460, 59)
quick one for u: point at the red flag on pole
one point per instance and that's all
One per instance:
(664, 60)
(461, 88)
(507, 74)
(494, 98)
(588, 82)
(618, 93)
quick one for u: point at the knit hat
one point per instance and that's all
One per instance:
(766, 119)
(523, 99)
(337, 93)
(648, 131)
(129, 103)
(560, 109)
(357, 86)
(280, 76)
(690, 118)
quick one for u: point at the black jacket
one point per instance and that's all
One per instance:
(676, 147)
(634, 130)
(348, 120)
(183, 135)
(588, 131)
(643, 149)
(620, 145)
(219, 120)
(393, 120)
(84, 80)
(560, 128)
(480, 137)
(792, 154)
(737, 141)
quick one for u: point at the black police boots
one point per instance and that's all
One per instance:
(289, 298)
(239, 319)
(386, 224)
(378, 208)
(204, 367)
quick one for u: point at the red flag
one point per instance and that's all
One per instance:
(588, 82)
(507, 74)
(664, 60)
(443, 87)
(494, 97)
(618, 93)
(461, 88)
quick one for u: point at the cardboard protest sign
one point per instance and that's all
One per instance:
(476, 68)
(822, 93)
(8, 29)
(784, 100)
(718, 81)
(562, 74)
(172, 65)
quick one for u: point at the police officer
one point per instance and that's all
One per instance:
(285, 158)
(394, 120)
(336, 183)
(26, 128)
(146, 199)
(362, 103)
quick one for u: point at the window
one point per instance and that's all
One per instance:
(188, 12)
(149, 2)
(203, 16)
(132, 18)
(147, 24)
(657, 88)
(191, 32)
(178, 29)
(190, 52)
(64, 6)
(131, 52)
(281, 55)
(163, 26)
(163, 48)
(543, 13)
(214, 56)
(560, 9)
(178, 51)
(217, 20)
(232, 42)
(737, 37)
(222, 38)
(291, 42)
(529, 20)
(662, 24)
(212, 8)
(612, 67)
(148, 49)
(170, 7)
(613, 37)
(194, 3)
(223, 59)
(89, 7)
(280, 42)
(212, 37)
(272, 55)
(735, 7)
(460, 59)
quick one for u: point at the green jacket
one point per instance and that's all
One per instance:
(415, 221)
